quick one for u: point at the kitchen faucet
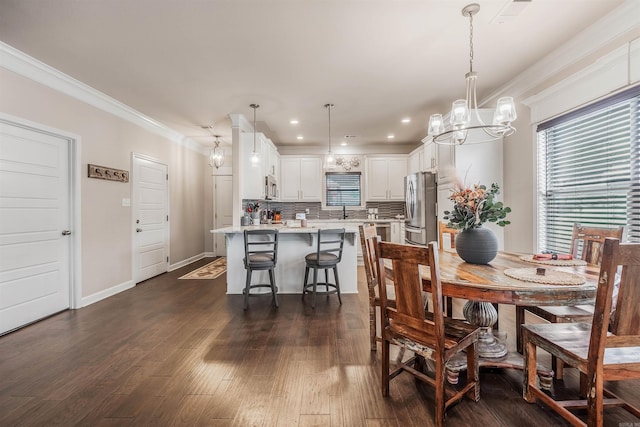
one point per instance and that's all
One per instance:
(344, 212)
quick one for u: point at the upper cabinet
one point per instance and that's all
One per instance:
(253, 182)
(300, 179)
(422, 159)
(385, 177)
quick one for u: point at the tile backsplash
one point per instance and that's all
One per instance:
(288, 210)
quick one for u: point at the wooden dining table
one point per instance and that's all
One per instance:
(484, 285)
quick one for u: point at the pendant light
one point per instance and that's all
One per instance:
(255, 156)
(464, 118)
(330, 159)
(216, 154)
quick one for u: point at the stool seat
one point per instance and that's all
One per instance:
(261, 253)
(327, 256)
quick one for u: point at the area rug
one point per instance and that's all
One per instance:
(210, 271)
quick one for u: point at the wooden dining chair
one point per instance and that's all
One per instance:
(442, 230)
(586, 244)
(368, 235)
(452, 232)
(429, 335)
(606, 349)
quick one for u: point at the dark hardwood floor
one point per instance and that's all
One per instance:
(181, 352)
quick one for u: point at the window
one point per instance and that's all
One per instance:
(589, 170)
(343, 189)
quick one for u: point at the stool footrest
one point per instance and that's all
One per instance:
(308, 289)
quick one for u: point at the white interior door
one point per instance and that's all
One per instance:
(222, 211)
(35, 225)
(151, 218)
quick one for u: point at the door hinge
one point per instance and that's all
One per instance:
(167, 259)
(167, 217)
(167, 177)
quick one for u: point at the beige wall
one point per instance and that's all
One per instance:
(108, 140)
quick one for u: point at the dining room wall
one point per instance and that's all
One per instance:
(604, 62)
(106, 139)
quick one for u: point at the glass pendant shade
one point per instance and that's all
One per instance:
(255, 159)
(330, 159)
(436, 125)
(255, 156)
(505, 111)
(460, 113)
(216, 154)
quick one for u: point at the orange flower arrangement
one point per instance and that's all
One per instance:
(474, 206)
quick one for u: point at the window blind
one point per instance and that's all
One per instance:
(343, 189)
(589, 172)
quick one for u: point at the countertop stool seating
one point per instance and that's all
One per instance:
(604, 350)
(260, 253)
(586, 244)
(327, 256)
(429, 335)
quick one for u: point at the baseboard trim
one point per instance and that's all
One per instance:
(187, 261)
(99, 296)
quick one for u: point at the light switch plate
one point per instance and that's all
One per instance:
(126, 202)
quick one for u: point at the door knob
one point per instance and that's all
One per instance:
(66, 232)
(138, 230)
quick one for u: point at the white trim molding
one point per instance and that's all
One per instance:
(22, 64)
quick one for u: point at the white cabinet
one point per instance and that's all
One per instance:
(423, 158)
(300, 179)
(385, 177)
(397, 232)
(253, 182)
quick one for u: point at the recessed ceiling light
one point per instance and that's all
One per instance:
(293, 121)
(299, 137)
(406, 120)
(391, 136)
(343, 143)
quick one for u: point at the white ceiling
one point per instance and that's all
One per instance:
(189, 63)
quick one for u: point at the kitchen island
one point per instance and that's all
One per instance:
(293, 244)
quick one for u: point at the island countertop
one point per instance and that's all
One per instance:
(293, 244)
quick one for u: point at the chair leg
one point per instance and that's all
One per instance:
(247, 288)
(372, 325)
(473, 372)
(306, 279)
(385, 367)
(557, 366)
(441, 400)
(274, 289)
(315, 287)
(530, 364)
(519, 323)
(335, 274)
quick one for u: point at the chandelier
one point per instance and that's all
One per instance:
(216, 154)
(255, 156)
(464, 118)
(330, 159)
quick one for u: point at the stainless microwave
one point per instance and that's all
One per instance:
(270, 187)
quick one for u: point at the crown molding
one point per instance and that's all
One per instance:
(619, 23)
(24, 65)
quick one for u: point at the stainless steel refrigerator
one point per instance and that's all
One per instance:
(420, 208)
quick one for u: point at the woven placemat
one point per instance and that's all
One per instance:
(558, 262)
(551, 277)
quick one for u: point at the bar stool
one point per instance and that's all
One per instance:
(260, 253)
(327, 256)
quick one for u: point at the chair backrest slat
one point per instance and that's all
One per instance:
(587, 242)
(625, 321)
(367, 237)
(407, 280)
(261, 242)
(331, 240)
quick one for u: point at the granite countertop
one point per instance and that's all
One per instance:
(356, 220)
(280, 227)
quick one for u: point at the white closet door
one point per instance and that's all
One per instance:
(34, 225)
